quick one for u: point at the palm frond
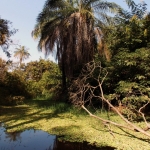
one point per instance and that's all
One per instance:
(68, 26)
(137, 9)
(106, 6)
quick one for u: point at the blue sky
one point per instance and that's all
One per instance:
(23, 13)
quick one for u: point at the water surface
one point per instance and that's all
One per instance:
(39, 140)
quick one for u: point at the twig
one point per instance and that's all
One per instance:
(140, 111)
(86, 92)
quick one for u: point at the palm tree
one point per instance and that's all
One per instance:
(21, 53)
(68, 27)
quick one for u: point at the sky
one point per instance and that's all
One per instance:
(23, 14)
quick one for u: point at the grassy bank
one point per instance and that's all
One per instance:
(70, 123)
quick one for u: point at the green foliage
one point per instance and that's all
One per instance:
(12, 86)
(72, 124)
(132, 66)
(35, 69)
(5, 34)
(130, 29)
(42, 78)
(128, 80)
(36, 79)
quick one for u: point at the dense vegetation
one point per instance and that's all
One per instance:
(121, 44)
(35, 79)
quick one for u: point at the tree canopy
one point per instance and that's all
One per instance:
(69, 28)
(5, 34)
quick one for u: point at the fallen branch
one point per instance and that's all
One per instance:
(85, 92)
(140, 111)
(104, 121)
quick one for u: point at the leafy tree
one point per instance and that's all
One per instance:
(11, 86)
(127, 82)
(3, 69)
(42, 77)
(35, 69)
(69, 28)
(46, 87)
(85, 93)
(130, 29)
(21, 53)
(132, 77)
(5, 34)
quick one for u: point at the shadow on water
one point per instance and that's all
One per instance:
(39, 140)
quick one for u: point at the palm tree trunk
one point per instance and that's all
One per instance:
(63, 77)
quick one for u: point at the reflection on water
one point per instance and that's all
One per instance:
(38, 140)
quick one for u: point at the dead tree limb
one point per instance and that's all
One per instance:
(140, 111)
(104, 121)
(82, 92)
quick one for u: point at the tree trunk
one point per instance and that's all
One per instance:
(63, 77)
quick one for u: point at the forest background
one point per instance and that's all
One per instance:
(105, 65)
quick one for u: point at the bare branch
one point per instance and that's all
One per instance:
(140, 111)
(81, 92)
(104, 121)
